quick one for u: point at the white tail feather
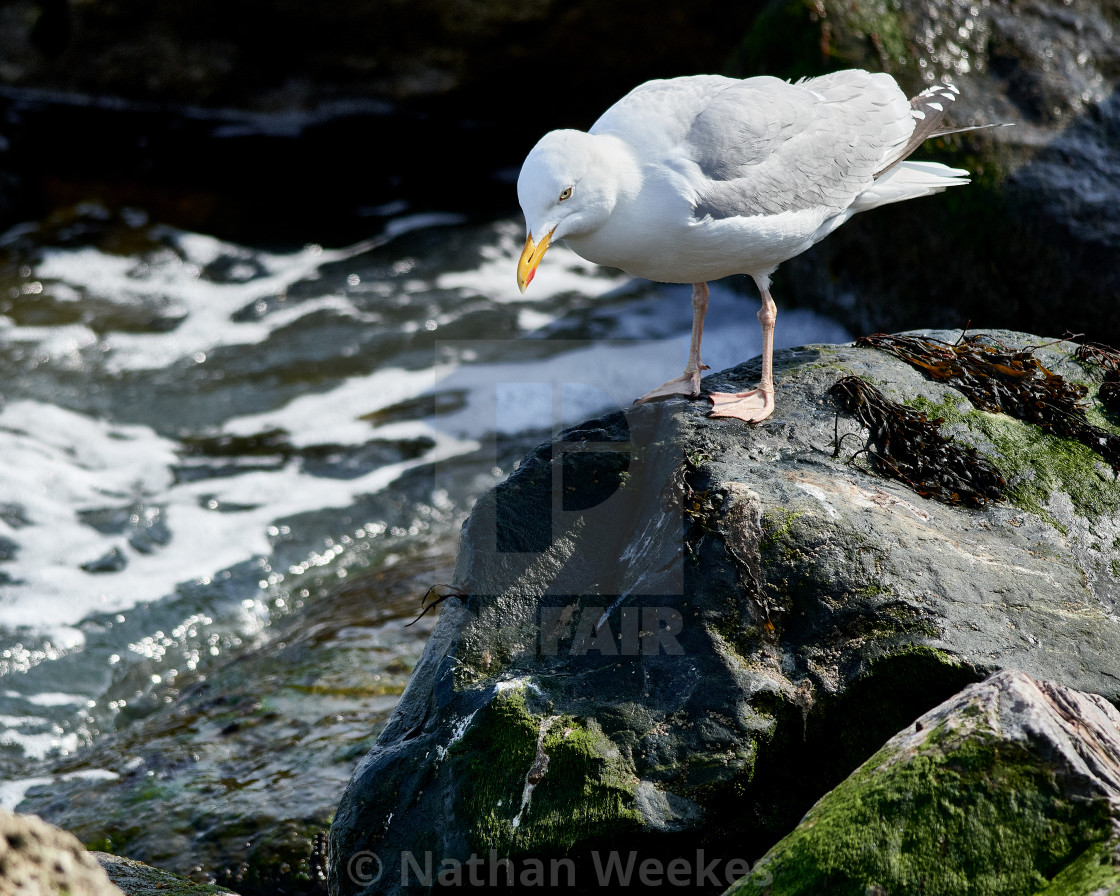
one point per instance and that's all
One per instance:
(909, 180)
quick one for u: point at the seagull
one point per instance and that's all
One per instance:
(691, 179)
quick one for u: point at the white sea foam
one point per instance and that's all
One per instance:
(171, 283)
(173, 286)
(59, 463)
(52, 698)
(12, 793)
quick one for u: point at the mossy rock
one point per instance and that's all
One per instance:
(989, 794)
(137, 879)
(690, 661)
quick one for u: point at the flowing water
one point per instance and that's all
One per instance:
(199, 439)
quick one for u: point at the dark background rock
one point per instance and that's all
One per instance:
(1034, 242)
(807, 608)
(288, 122)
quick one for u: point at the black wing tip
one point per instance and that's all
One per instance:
(932, 102)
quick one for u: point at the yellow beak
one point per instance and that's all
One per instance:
(531, 256)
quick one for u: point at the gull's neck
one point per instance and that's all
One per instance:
(614, 161)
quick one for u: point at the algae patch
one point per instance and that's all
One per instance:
(581, 787)
(979, 816)
(1037, 464)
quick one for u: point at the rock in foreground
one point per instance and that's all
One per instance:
(38, 859)
(1011, 787)
(138, 879)
(673, 633)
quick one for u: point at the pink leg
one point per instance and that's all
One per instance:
(688, 383)
(758, 404)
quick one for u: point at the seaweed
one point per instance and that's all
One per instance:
(437, 599)
(998, 379)
(906, 445)
(1109, 358)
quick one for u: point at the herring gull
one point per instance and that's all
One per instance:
(692, 179)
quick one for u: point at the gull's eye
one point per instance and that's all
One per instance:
(567, 194)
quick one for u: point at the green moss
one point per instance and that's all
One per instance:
(586, 791)
(138, 879)
(980, 816)
(1094, 871)
(103, 843)
(869, 24)
(1036, 464)
(491, 761)
(776, 527)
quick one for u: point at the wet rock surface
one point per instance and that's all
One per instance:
(675, 632)
(136, 879)
(1011, 786)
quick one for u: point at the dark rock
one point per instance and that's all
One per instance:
(38, 859)
(1034, 242)
(1012, 786)
(689, 662)
(283, 120)
(489, 59)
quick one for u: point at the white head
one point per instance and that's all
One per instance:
(567, 187)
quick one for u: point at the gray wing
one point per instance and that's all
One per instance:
(763, 146)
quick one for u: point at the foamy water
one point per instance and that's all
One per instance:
(195, 434)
